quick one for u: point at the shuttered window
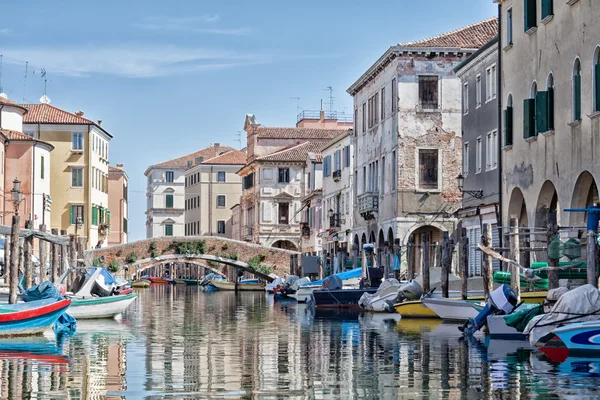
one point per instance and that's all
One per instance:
(94, 215)
(547, 9)
(577, 91)
(550, 108)
(597, 85)
(327, 166)
(169, 200)
(541, 112)
(528, 118)
(125, 225)
(169, 230)
(530, 14)
(508, 126)
(474, 235)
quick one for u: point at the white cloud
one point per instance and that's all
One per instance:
(133, 60)
(200, 24)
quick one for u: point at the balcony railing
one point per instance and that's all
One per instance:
(337, 175)
(368, 203)
(335, 221)
(311, 114)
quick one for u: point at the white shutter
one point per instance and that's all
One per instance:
(266, 211)
(495, 243)
(474, 236)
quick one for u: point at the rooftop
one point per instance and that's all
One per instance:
(16, 135)
(295, 133)
(293, 153)
(211, 151)
(234, 157)
(47, 114)
(469, 37)
(6, 101)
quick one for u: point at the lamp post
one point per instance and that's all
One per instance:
(478, 194)
(78, 225)
(16, 197)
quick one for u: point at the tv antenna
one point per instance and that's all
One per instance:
(330, 89)
(297, 104)
(1, 89)
(44, 99)
(25, 84)
(238, 139)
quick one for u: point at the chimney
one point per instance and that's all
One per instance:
(120, 166)
(321, 115)
(99, 122)
(189, 164)
(217, 145)
(199, 160)
(79, 113)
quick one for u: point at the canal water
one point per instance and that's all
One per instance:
(180, 342)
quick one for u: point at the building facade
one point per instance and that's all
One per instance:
(551, 110)
(165, 192)
(311, 225)
(273, 179)
(212, 187)
(338, 198)
(118, 203)
(78, 171)
(407, 149)
(236, 222)
(480, 148)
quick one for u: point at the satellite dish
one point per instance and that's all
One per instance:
(45, 99)
(4, 96)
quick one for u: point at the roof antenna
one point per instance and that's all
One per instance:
(238, 135)
(297, 104)
(25, 84)
(330, 89)
(1, 89)
(44, 99)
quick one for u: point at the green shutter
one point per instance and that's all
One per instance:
(577, 100)
(597, 86)
(528, 118)
(530, 14)
(71, 214)
(82, 214)
(546, 8)
(124, 225)
(550, 108)
(94, 215)
(108, 217)
(541, 112)
(508, 126)
(169, 201)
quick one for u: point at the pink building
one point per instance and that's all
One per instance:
(118, 183)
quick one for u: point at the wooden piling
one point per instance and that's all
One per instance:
(27, 264)
(354, 256)
(41, 269)
(552, 262)
(486, 262)
(515, 277)
(72, 257)
(464, 263)
(64, 255)
(591, 258)
(14, 260)
(426, 263)
(237, 271)
(446, 262)
(410, 258)
(7, 258)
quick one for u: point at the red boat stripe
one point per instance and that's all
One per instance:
(36, 312)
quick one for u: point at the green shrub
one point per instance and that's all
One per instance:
(224, 247)
(114, 266)
(256, 264)
(119, 253)
(97, 262)
(152, 247)
(197, 247)
(131, 258)
(211, 249)
(154, 253)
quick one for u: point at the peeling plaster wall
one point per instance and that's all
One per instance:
(560, 156)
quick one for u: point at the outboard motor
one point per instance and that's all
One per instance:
(501, 301)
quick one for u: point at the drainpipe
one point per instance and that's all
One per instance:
(210, 201)
(4, 167)
(499, 215)
(31, 211)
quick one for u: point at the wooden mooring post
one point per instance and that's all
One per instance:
(486, 262)
(27, 264)
(426, 262)
(447, 247)
(39, 272)
(55, 258)
(515, 277)
(14, 260)
(464, 263)
(552, 262)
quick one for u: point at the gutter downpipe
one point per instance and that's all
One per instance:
(3, 186)
(500, 132)
(210, 200)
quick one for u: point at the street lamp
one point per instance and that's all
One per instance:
(478, 194)
(16, 195)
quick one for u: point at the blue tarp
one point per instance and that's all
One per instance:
(46, 290)
(353, 273)
(108, 278)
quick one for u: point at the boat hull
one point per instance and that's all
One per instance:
(304, 293)
(100, 307)
(341, 298)
(252, 287)
(452, 310)
(32, 318)
(140, 284)
(580, 337)
(190, 282)
(153, 279)
(414, 309)
(498, 329)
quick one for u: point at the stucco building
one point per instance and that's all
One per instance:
(212, 187)
(311, 225)
(551, 101)
(480, 148)
(407, 149)
(118, 203)
(165, 192)
(273, 178)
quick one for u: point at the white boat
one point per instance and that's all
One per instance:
(498, 329)
(351, 280)
(100, 307)
(454, 309)
(380, 301)
(221, 285)
(272, 285)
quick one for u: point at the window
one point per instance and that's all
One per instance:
(221, 176)
(364, 189)
(169, 175)
(490, 151)
(364, 117)
(42, 167)
(355, 121)
(509, 27)
(76, 211)
(347, 156)
(428, 92)
(508, 122)
(169, 201)
(529, 114)
(125, 192)
(466, 98)
(221, 227)
(490, 83)
(547, 9)
(76, 176)
(382, 103)
(125, 230)
(465, 169)
(284, 213)
(428, 169)
(168, 229)
(95, 215)
(284, 175)
(248, 181)
(394, 95)
(394, 168)
(77, 141)
(221, 201)
(478, 91)
(530, 15)
(382, 175)
(596, 76)
(479, 155)
(577, 91)
(550, 106)
(373, 109)
(337, 162)
(30, 133)
(327, 166)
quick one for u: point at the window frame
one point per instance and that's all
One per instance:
(465, 167)
(224, 201)
(167, 234)
(74, 215)
(429, 105)
(491, 155)
(81, 145)
(465, 98)
(279, 205)
(478, 91)
(478, 155)
(167, 197)
(509, 26)
(73, 169)
(219, 222)
(490, 87)
(219, 180)
(171, 175)
(419, 184)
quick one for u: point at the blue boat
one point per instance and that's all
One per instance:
(580, 337)
(332, 295)
(31, 318)
(344, 276)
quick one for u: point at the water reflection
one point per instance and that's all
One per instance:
(179, 342)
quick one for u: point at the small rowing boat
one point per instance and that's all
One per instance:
(154, 279)
(243, 286)
(454, 309)
(142, 283)
(31, 318)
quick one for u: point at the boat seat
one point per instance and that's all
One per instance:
(78, 283)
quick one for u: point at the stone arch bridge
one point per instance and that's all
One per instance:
(150, 252)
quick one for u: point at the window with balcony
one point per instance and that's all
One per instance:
(428, 92)
(428, 169)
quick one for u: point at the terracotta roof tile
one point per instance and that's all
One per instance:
(234, 157)
(468, 37)
(114, 169)
(182, 162)
(297, 133)
(45, 113)
(16, 135)
(12, 103)
(297, 152)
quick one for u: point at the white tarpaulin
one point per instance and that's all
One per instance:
(578, 305)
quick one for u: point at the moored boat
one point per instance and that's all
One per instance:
(100, 307)
(154, 279)
(454, 309)
(350, 280)
(142, 283)
(580, 337)
(414, 309)
(31, 318)
(190, 282)
(178, 281)
(242, 286)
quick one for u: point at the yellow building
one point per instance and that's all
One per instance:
(78, 171)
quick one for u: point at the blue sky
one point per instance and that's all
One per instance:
(168, 78)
